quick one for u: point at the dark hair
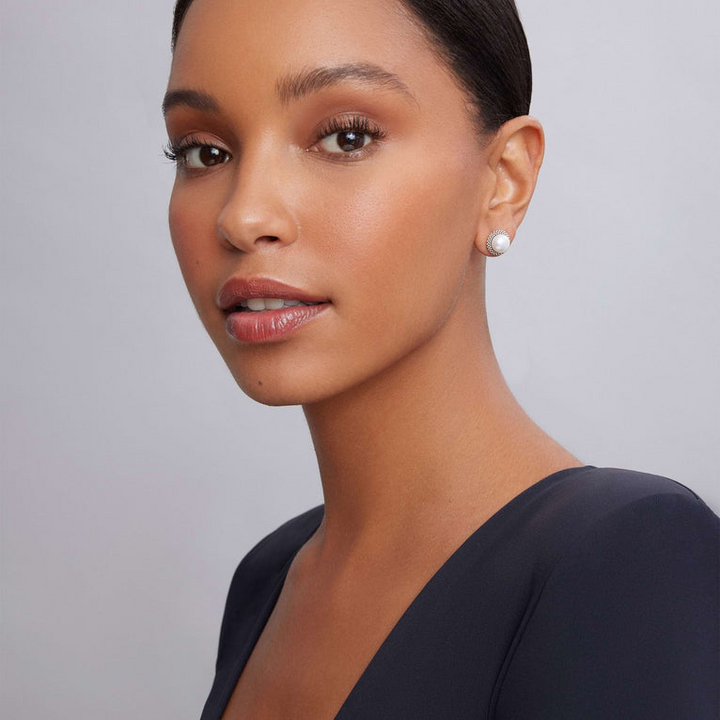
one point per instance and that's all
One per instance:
(482, 42)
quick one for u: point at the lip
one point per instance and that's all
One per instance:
(268, 325)
(237, 289)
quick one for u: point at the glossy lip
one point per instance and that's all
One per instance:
(269, 325)
(238, 288)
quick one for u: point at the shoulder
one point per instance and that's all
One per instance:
(605, 490)
(577, 508)
(257, 575)
(265, 561)
(268, 557)
(626, 622)
(623, 524)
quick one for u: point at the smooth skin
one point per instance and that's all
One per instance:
(418, 438)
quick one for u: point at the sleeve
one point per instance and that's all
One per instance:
(627, 624)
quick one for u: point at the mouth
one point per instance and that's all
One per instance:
(262, 310)
(260, 304)
(259, 294)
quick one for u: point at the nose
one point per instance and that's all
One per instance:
(257, 212)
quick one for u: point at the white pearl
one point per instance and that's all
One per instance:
(501, 243)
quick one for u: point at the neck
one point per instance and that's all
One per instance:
(436, 437)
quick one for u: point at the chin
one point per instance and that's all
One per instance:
(274, 396)
(285, 388)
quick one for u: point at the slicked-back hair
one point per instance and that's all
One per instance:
(483, 44)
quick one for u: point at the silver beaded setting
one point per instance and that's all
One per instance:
(498, 243)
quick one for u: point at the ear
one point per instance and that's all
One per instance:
(514, 156)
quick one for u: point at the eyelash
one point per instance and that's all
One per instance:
(175, 152)
(357, 123)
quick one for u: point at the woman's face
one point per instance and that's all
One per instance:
(364, 192)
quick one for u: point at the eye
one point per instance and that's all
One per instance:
(348, 137)
(345, 140)
(202, 156)
(194, 155)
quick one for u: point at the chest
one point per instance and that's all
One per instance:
(423, 633)
(312, 652)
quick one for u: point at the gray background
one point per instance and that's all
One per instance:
(136, 474)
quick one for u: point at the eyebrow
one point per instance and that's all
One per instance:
(297, 85)
(194, 99)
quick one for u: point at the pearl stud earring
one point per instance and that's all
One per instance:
(498, 242)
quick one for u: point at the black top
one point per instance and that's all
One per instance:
(592, 594)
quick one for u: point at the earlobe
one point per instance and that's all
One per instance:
(516, 154)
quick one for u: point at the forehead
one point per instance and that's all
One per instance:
(247, 45)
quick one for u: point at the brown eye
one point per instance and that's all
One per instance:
(204, 156)
(346, 141)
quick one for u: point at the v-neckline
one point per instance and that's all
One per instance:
(453, 558)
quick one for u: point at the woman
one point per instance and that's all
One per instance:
(344, 175)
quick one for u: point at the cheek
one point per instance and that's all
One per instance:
(191, 230)
(406, 239)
